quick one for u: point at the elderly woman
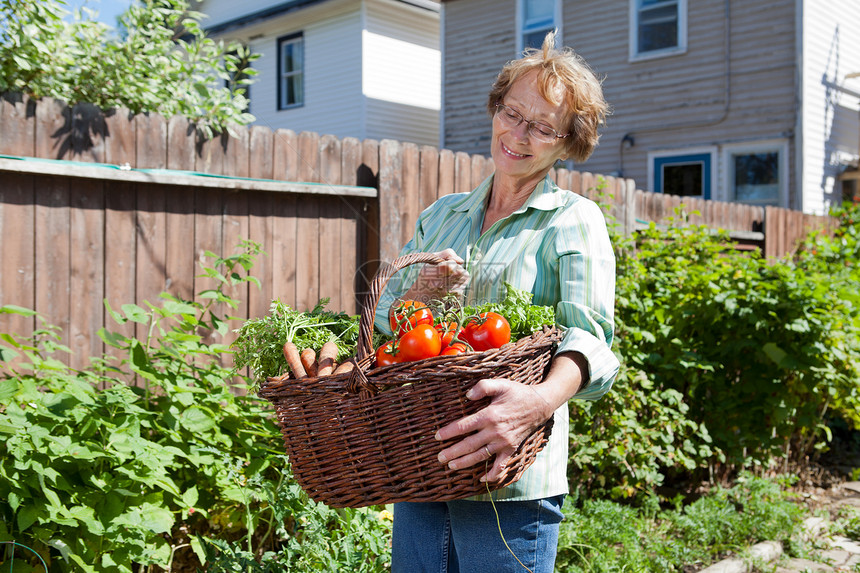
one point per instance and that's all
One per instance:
(517, 227)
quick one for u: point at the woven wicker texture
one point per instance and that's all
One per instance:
(367, 437)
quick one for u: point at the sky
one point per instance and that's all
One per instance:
(108, 9)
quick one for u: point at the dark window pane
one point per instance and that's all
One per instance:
(757, 178)
(658, 28)
(535, 39)
(685, 180)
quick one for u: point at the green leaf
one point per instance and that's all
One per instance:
(135, 313)
(196, 419)
(189, 496)
(775, 353)
(8, 388)
(27, 516)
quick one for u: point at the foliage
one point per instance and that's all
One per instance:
(601, 536)
(116, 465)
(727, 357)
(160, 61)
(524, 317)
(260, 341)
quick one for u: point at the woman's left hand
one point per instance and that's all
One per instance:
(514, 412)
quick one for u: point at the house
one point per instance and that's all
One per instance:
(369, 69)
(730, 100)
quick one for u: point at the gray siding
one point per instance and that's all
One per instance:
(673, 102)
(478, 40)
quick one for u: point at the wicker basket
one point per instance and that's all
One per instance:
(367, 437)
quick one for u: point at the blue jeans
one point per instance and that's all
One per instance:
(463, 536)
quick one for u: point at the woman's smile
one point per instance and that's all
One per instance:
(512, 153)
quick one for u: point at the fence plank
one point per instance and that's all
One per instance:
(152, 273)
(330, 254)
(369, 175)
(119, 141)
(260, 221)
(181, 144)
(178, 221)
(53, 121)
(120, 254)
(410, 189)
(477, 170)
(390, 193)
(447, 168)
(352, 249)
(16, 125)
(307, 225)
(428, 175)
(18, 225)
(150, 141)
(53, 253)
(286, 160)
(462, 172)
(86, 272)
(309, 157)
(284, 250)
(88, 133)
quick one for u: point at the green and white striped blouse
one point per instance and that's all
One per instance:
(557, 247)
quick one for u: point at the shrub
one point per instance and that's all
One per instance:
(129, 460)
(161, 51)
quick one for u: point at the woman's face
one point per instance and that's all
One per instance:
(515, 151)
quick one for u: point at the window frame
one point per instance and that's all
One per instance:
(290, 38)
(685, 156)
(633, 42)
(731, 150)
(522, 28)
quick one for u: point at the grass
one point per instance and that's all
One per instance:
(600, 536)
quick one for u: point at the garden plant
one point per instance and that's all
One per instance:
(159, 456)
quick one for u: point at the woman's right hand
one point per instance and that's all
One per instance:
(436, 281)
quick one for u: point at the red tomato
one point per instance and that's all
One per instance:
(387, 354)
(407, 315)
(447, 330)
(455, 349)
(490, 331)
(421, 342)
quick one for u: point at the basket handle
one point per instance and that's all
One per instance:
(368, 311)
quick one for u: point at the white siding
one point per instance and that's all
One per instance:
(332, 82)
(402, 77)
(831, 133)
(220, 11)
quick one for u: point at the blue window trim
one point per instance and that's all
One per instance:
(691, 158)
(280, 42)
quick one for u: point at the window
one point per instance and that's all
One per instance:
(657, 27)
(757, 174)
(537, 19)
(688, 174)
(291, 64)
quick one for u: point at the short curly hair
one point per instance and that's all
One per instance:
(583, 91)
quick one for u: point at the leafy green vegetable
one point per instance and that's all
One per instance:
(260, 341)
(524, 317)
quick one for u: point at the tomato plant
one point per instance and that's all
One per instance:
(448, 330)
(421, 342)
(407, 315)
(387, 354)
(489, 330)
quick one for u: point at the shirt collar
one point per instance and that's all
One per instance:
(546, 197)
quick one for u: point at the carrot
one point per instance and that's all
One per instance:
(328, 353)
(309, 361)
(344, 367)
(294, 360)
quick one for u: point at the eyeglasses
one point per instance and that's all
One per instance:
(538, 130)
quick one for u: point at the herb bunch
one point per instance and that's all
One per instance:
(260, 341)
(524, 317)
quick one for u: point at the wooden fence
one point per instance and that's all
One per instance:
(120, 207)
